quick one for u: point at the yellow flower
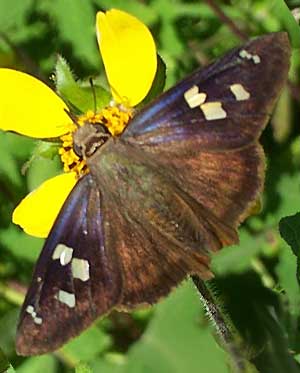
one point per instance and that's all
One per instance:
(31, 108)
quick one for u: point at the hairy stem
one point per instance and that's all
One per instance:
(229, 338)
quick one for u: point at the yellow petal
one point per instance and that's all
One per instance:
(37, 212)
(30, 107)
(129, 55)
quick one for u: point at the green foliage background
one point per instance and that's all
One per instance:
(257, 282)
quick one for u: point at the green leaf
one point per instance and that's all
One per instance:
(286, 270)
(110, 363)
(281, 11)
(8, 322)
(275, 356)
(75, 20)
(14, 16)
(158, 82)
(21, 245)
(48, 150)
(83, 368)
(281, 119)
(238, 258)
(4, 364)
(85, 347)
(10, 369)
(295, 150)
(42, 169)
(177, 339)
(289, 228)
(38, 364)
(282, 189)
(144, 12)
(257, 315)
(79, 95)
(19, 146)
(8, 164)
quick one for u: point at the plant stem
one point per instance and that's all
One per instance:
(225, 19)
(228, 338)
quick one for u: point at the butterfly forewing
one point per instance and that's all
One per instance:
(223, 106)
(159, 198)
(76, 277)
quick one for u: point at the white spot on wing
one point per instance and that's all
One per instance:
(81, 269)
(63, 253)
(246, 55)
(256, 59)
(30, 309)
(193, 97)
(38, 320)
(191, 92)
(213, 110)
(66, 298)
(240, 93)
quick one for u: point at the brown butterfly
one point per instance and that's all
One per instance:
(159, 198)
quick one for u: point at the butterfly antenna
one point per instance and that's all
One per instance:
(73, 117)
(94, 94)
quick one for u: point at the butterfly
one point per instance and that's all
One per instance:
(159, 199)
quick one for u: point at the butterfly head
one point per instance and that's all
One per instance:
(88, 132)
(87, 139)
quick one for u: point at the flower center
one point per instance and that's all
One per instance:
(114, 118)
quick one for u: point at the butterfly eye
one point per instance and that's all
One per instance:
(77, 149)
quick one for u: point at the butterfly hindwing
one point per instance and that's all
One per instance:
(151, 264)
(227, 184)
(76, 278)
